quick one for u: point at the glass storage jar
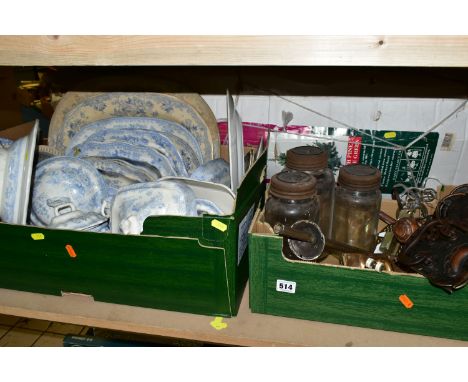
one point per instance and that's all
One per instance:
(314, 161)
(292, 197)
(357, 206)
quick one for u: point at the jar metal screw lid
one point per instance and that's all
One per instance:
(291, 184)
(359, 177)
(306, 158)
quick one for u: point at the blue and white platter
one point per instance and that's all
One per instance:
(183, 140)
(143, 138)
(152, 105)
(120, 150)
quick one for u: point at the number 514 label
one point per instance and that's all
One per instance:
(286, 286)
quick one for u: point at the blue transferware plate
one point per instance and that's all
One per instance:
(5, 142)
(66, 178)
(185, 142)
(134, 154)
(113, 167)
(144, 138)
(152, 105)
(16, 162)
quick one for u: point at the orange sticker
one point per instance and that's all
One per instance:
(70, 250)
(406, 301)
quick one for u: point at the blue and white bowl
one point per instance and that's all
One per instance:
(215, 171)
(68, 178)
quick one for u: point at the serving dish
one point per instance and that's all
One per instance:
(70, 99)
(63, 181)
(184, 141)
(133, 204)
(16, 163)
(120, 150)
(143, 138)
(136, 105)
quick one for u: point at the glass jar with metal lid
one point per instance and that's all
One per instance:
(314, 161)
(357, 206)
(293, 204)
(292, 197)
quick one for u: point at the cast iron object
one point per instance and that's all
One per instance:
(454, 207)
(404, 228)
(461, 189)
(439, 251)
(302, 241)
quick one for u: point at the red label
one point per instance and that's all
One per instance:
(354, 150)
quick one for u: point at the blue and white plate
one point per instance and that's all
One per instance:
(16, 162)
(152, 105)
(144, 138)
(66, 178)
(5, 143)
(184, 141)
(125, 151)
(121, 168)
(187, 153)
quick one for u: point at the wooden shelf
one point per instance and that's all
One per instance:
(431, 51)
(247, 329)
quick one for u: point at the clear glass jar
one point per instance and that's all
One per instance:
(314, 161)
(292, 197)
(357, 206)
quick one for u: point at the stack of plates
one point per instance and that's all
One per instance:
(135, 138)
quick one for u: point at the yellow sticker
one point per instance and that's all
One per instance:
(37, 236)
(218, 323)
(218, 225)
(390, 134)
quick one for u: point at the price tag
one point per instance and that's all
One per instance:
(285, 286)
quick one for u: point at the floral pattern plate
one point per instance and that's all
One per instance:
(68, 102)
(72, 99)
(125, 151)
(144, 138)
(136, 105)
(183, 140)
